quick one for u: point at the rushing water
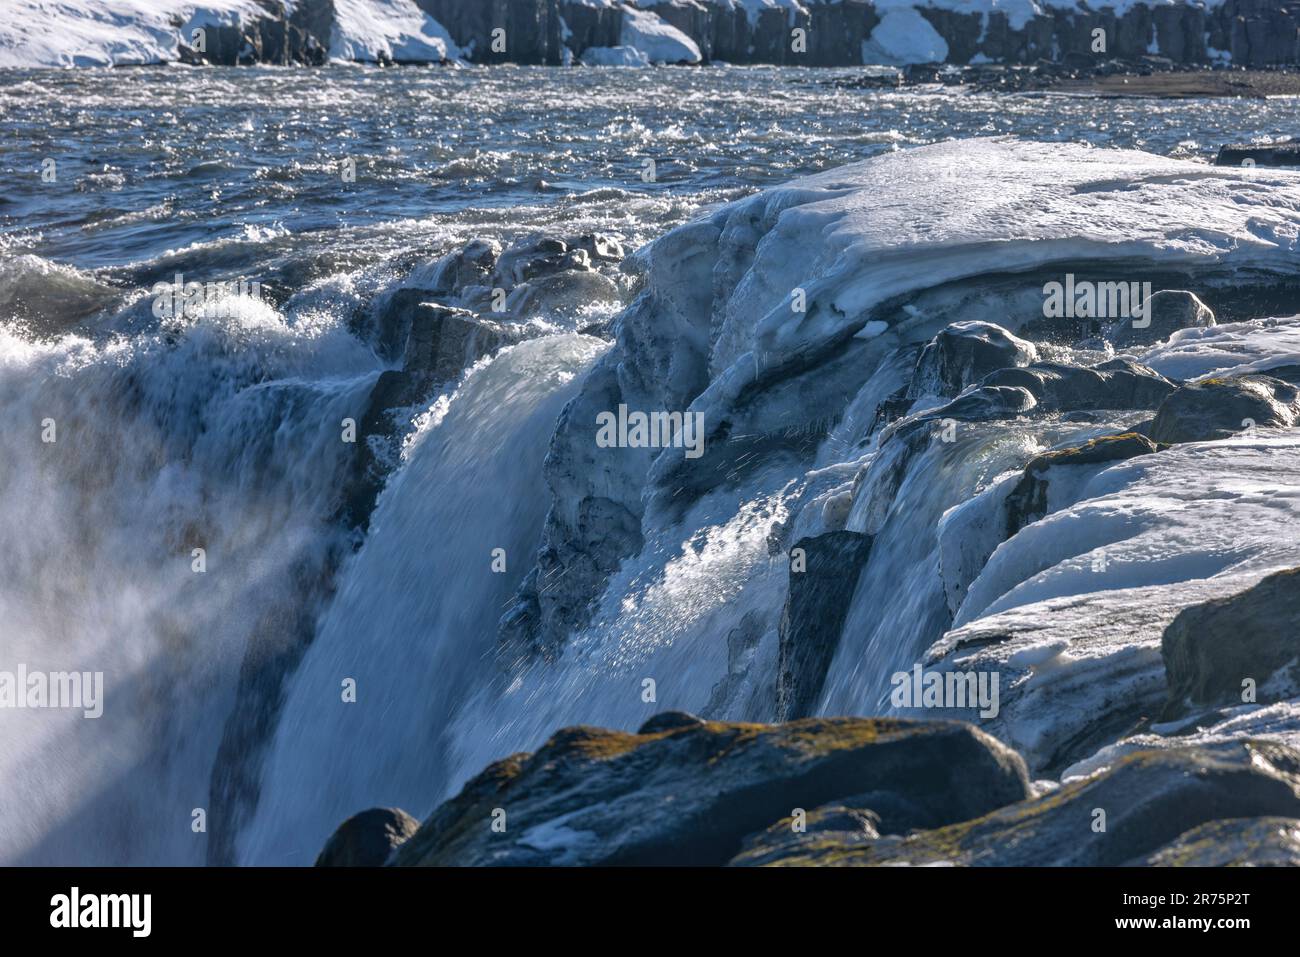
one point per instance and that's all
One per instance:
(224, 434)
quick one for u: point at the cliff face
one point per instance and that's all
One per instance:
(851, 32)
(839, 33)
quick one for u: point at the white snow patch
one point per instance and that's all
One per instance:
(904, 36)
(613, 56)
(63, 33)
(661, 42)
(368, 30)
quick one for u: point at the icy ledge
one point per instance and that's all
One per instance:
(770, 315)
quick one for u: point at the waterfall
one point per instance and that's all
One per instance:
(414, 620)
(126, 455)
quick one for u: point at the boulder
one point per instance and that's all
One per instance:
(823, 575)
(1147, 800)
(963, 354)
(538, 255)
(1210, 649)
(1169, 311)
(690, 795)
(445, 341)
(843, 825)
(1058, 387)
(368, 838)
(1027, 501)
(1220, 408)
(1237, 842)
(1268, 154)
(563, 295)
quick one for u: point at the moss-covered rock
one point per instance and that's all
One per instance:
(1027, 501)
(691, 794)
(1238, 842)
(1220, 408)
(1145, 802)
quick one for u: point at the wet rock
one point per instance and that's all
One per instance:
(845, 826)
(1149, 799)
(1211, 649)
(691, 795)
(1220, 408)
(599, 247)
(565, 294)
(1027, 501)
(963, 354)
(666, 721)
(1269, 154)
(1169, 311)
(538, 256)
(1239, 842)
(1117, 384)
(367, 839)
(471, 265)
(445, 341)
(823, 575)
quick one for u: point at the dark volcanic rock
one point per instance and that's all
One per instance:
(845, 826)
(1149, 799)
(1117, 384)
(692, 794)
(1238, 842)
(823, 575)
(1223, 407)
(1210, 649)
(1170, 311)
(1027, 502)
(1274, 154)
(444, 341)
(963, 354)
(670, 721)
(368, 838)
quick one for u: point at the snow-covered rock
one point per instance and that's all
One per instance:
(658, 40)
(62, 33)
(613, 56)
(37, 33)
(767, 317)
(398, 31)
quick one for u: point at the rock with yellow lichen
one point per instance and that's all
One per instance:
(1150, 803)
(686, 791)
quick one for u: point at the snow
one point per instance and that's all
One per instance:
(973, 207)
(907, 242)
(368, 30)
(1228, 349)
(661, 42)
(904, 36)
(64, 33)
(613, 56)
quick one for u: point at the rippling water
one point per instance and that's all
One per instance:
(238, 169)
(225, 433)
